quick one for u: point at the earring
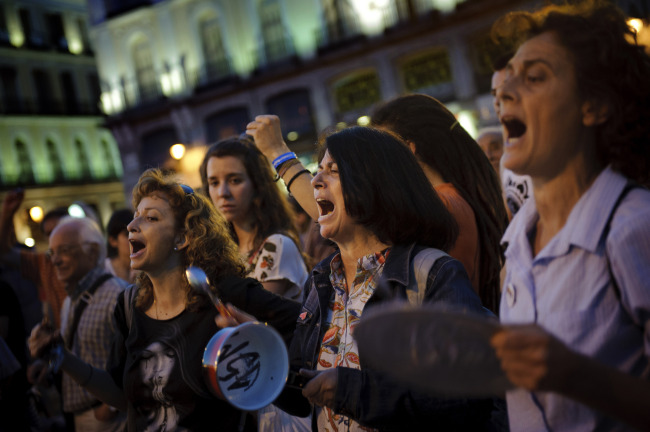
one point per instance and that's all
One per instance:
(175, 248)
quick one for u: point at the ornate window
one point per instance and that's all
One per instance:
(109, 162)
(69, 94)
(357, 91)
(55, 33)
(340, 22)
(25, 171)
(294, 108)
(82, 159)
(145, 73)
(4, 30)
(225, 124)
(429, 73)
(276, 44)
(214, 53)
(54, 161)
(9, 91)
(43, 87)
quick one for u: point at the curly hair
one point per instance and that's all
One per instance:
(446, 147)
(385, 190)
(612, 70)
(272, 211)
(210, 246)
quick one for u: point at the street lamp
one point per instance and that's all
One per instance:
(36, 213)
(177, 151)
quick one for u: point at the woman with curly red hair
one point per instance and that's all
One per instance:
(163, 325)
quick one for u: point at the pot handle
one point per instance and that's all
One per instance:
(296, 381)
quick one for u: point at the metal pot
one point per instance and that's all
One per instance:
(246, 365)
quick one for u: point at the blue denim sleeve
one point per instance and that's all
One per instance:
(375, 400)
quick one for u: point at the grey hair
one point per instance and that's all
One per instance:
(490, 130)
(89, 232)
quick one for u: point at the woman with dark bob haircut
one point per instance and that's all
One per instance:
(376, 195)
(575, 106)
(462, 176)
(377, 206)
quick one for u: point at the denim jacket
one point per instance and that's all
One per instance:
(370, 397)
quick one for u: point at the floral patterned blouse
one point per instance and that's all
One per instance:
(279, 258)
(338, 347)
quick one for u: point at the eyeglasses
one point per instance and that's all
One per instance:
(64, 250)
(188, 190)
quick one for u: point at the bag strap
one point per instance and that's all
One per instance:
(84, 299)
(608, 225)
(128, 305)
(422, 264)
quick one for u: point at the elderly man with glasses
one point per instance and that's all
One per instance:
(77, 252)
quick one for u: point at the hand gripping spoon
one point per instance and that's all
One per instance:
(199, 281)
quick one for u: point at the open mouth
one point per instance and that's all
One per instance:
(326, 207)
(136, 246)
(515, 127)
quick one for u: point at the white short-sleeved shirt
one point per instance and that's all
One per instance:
(568, 290)
(279, 258)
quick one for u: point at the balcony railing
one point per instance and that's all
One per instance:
(274, 52)
(137, 93)
(213, 71)
(339, 30)
(15, 106)
(28, 179)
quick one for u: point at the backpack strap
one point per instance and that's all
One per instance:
(422, 264)
(84, 299)
(608, 225)
(129, 293)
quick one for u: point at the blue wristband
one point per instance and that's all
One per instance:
(283, 158)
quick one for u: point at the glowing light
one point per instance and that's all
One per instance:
(445, 6)
(29, 242)
(363, 121)
(17, 38)
(166, 84)
(371, 14)
(341, 125)
(116, 100)
(177, 151)
(36, 213)
(466, 120)
(75, 210)
(75, 47)
(636, 24)
(292, 136)
(107, 106)
(175, 78)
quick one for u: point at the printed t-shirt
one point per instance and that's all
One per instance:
(279, 258)
(159, 367)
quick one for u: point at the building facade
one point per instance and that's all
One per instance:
(195, 71)
(52, 142)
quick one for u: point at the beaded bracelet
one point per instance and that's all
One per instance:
(295, 176)
(283, 158)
